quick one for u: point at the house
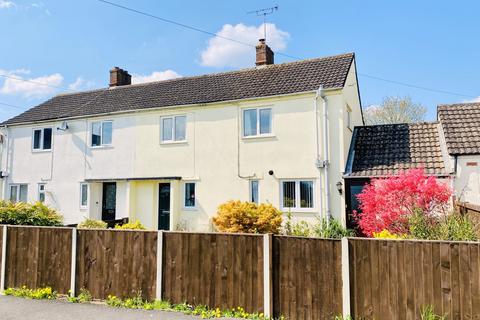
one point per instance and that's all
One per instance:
(460, 136)
(168, 153)
(381, 150)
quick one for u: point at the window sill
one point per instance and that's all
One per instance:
(189, 209)
(173, 142)
(101, 147)
(299, 210)
(41, 151)
(259, 136)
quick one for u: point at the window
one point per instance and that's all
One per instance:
(102, 133)
(349, 118)
(297, 194)
(42, 139)
(41, 192)
(18, 193)
(83, 195)
(257, 122)
(174, 128)
(190, 195)
(254, 191)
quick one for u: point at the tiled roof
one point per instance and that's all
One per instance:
(271, 80)
(387, 149)
(461, 127)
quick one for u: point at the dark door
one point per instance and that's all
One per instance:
(109, 200)
(352, 188)
(164, 206)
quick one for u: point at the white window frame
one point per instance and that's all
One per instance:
(185, 207)
(81, 194)
(349, 118)
(250, 194)
(173, 140)
(39, 192)
(42, 130)
(258, 134)
(102, 145)
(17, 185)
(298, 207)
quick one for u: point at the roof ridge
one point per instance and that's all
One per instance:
(400, 123)
(458, 104)
(271, 66)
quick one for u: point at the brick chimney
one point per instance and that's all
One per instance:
(119, 77)
(264, 53)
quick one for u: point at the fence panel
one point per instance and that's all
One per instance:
(38, 257)
(307, 278)
(395, 279)
(216, 270)
(120, 263)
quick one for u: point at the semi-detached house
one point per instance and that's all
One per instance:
(168, 153)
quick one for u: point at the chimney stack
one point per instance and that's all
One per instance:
(264, 53)
(119, 77)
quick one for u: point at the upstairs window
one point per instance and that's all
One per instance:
(42, 139)
(173, 128)
(102, 133)
(257, 122)
(297, 194)
(18, 193)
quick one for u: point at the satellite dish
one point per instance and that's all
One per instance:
(63, 126)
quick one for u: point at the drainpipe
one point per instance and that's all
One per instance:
(6, 153)
(326, 164)
(318, 162)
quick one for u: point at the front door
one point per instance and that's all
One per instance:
(164, 206)
(353, 187)
(109, 200)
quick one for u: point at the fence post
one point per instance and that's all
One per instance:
(345, 278)
(4, 259)
(267, 276)
(73, 261)
(159, 264)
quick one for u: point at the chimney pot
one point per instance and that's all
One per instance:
(119, 77)
(264, 54)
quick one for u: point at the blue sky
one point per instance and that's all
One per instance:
(73, 44)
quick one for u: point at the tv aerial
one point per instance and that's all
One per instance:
(264, 12)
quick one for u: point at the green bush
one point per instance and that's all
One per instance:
(299, 229)
(427, 313)
(131, 226)
(331, 229)
(452, 227)
(24, 292)
(27, 214)
(92, 224)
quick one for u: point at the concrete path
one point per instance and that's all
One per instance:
(12, 308)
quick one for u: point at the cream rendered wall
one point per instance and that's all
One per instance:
(69, 163)
(467, 179)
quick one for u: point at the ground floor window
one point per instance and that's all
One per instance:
(83, 195)
(18, 193)
(41, 192)
(189, 195)
(254, 191)
(297, 194)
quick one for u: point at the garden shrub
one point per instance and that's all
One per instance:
(248, 217)
(451, 227)
(92, 224)
(428, 313)
(21, 213)
(387, 203)
(24, 292)
(385, 234)
(131, 226)
(299, 229)
(331, 229)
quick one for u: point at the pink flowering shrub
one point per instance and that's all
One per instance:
(387, 203)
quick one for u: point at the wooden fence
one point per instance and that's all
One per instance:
(299, 278)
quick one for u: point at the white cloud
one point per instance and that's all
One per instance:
(221, 52)
(33, 87)
(6, 4)
(81, 84)
(477, 99)
(155, 76)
